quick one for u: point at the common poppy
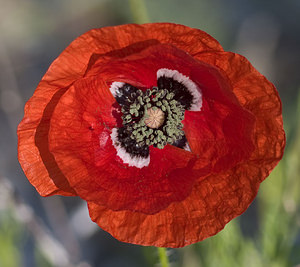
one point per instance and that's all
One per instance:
(164, 134)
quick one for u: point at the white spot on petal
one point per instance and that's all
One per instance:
(187, 147)
(132, 161)
(114, 88)
(103, 139)
(187, 82)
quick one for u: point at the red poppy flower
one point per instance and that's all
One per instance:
(165, 135)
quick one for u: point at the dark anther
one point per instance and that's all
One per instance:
(126, 94)
(180, 142)
(130, 145)
(182, 94)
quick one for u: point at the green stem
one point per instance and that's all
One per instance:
(139, 11)
(164, 262)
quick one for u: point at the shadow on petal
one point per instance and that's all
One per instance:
(42, 143)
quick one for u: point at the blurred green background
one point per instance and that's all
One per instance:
(57, 231)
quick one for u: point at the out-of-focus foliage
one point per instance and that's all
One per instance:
(57, 231)
(9, 237)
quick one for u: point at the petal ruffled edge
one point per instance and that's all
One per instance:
(121, 41)
(259, 96)
(212, 203)
(34, 156)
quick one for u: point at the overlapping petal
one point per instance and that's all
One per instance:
(80, 136)
(256, 94)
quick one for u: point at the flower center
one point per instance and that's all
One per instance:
(150, 118)
(154, 117)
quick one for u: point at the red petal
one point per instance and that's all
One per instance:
(100, 176)
(259, 96)
(212, 203)
(140, 69)
(222, 134)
